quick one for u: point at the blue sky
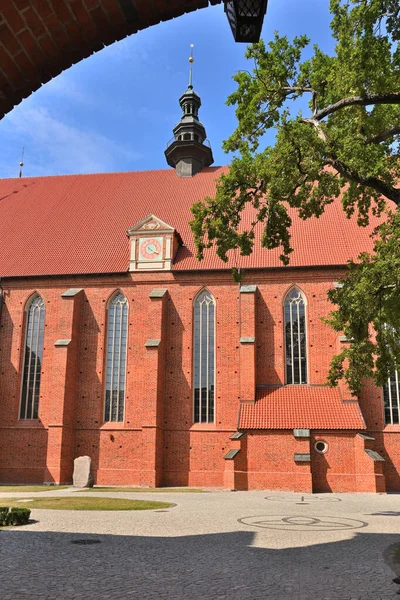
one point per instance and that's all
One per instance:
(115, 110)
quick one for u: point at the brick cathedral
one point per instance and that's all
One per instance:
(116, 343)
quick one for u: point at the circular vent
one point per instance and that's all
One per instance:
(320, 446)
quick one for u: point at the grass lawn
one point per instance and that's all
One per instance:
(15, 489)
(82, 503)
(143, 490)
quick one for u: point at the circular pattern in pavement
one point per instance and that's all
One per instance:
(303, 499)
(303, 523)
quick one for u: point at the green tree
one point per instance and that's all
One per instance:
(347, 144)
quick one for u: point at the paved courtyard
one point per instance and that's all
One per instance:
(214, 545)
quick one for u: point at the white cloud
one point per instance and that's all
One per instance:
(58, 147)
(134, 49)
(63, 85)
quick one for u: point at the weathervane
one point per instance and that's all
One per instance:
(21, 164)
(191, 60)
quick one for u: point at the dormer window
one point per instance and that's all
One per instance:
(154, 245)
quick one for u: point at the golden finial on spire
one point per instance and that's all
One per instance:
(21, 164)
(191, 60)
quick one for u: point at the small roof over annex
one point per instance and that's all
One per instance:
(300, 407)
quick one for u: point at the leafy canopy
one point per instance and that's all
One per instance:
(337, 123)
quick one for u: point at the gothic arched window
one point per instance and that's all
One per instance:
(35, 313)
(117, 330)
(295, 337)
(391, 400)
(204, 358)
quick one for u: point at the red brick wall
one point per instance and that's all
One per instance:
(158, 442)
(270, 326)
(387, 436)
(391, 452)
(270, 461)
(23, 454)
(334, 471)
(116, 453)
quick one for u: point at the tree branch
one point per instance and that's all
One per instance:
(372, 182)
(383, 135)
(294, 88)
(290, 88)
(317, 126)
(299, 160)
(365, 100)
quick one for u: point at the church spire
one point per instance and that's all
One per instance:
(191, 60)
(189, 151)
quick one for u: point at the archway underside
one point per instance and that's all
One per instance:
(41, 38)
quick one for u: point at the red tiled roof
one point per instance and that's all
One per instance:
(77, 224)
(300, 406)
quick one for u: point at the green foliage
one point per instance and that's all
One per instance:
(18, 516)
(14, 516)
(369, 312)
(347, 144)
(3, 515)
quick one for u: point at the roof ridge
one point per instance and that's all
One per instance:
(105, 173)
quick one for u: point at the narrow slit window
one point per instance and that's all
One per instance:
(204, 358)
(117, 333)
(295, 338)
(32, 359)
(391, 399)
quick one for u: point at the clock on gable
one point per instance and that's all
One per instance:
(154, 244)
(151, 248)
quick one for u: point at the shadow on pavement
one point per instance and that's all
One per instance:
(51, 565)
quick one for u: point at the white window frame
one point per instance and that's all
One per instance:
(204, 291)
(304, 299)
(107, 418)
(394, 403)
(29, 412)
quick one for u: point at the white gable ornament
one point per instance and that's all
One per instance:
(154, 245)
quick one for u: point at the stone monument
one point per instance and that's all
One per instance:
(83, 474)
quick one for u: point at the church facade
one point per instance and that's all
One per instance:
(116, 343)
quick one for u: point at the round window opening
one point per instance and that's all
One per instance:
(321, 447)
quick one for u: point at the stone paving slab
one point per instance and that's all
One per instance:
(209, 546)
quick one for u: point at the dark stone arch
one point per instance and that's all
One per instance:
(40, 39)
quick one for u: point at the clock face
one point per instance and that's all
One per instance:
(150, 248)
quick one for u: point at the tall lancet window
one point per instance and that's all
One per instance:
(32, 359)
(117, 332)
(391, 399)
(204, 358)
(295, 337)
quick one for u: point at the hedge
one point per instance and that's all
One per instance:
(14, 516)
